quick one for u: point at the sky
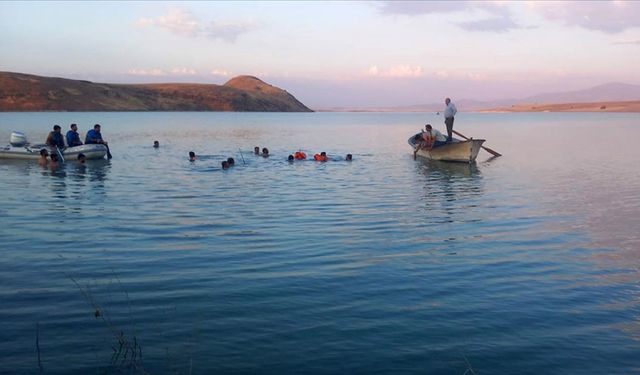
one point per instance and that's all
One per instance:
(333, 54)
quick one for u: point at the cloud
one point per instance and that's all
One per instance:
(155, 72)
(147, 72)
(627, 42)
(184, 23)
(228, 31)
(398, 71)
(607, 16)
(217, 72)
(496, 15)
(178, 21)
(493, 24)
(412, 8)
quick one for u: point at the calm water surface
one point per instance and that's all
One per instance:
(526, 264)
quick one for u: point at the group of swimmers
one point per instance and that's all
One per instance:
(298, 155)
(54, 160)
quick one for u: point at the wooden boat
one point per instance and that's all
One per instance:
(457, 150)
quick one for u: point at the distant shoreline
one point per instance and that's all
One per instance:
(617, 106)
(626, 106)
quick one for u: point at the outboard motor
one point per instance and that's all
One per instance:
(18, 139)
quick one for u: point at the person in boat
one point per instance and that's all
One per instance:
(55, 139)
(449, 114)
(82, 158)
(231, 162)
(349, 157)
(44, 154)
(94, 136)
(265, 152)
(73, 137)
(156, 144)
(430, 138)
(192, 156)
(321, 157)
(299, 155)
(256, 150)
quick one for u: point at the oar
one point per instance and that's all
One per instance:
(243, 163)
(492, 152)
(108, 153)
(59, 153)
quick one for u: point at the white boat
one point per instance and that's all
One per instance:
(457, 150)
(29, 151)
(19, 148)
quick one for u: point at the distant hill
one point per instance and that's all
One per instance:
(621, 106)
(25, 92)
(609, 92)
(610, 97)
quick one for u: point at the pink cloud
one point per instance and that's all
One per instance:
(498, 16)
(184, 23)
(607, 16)
(155, 72)
(178, 21)
(398, 71)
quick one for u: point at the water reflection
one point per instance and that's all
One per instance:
(450, 190)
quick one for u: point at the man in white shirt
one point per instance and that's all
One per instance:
(449, 113)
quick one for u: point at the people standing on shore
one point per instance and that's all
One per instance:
(73, 137)
(449, 114)
(55, 139)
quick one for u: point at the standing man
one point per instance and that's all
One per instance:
(94, 136)
(449, 112)
(73, 138)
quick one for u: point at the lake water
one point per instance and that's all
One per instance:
(148, 263)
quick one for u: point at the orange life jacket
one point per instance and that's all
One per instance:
(319, 157)
(300, 155)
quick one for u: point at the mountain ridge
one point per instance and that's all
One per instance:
(27, 92)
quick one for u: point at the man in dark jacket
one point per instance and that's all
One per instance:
(55, 139)
(73, 138)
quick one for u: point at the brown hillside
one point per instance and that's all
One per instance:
(23, 92)
(619, 106)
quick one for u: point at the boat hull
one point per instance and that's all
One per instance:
(91, 151)
(456, 151)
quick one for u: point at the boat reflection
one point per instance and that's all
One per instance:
(451, 192)
(436, 168)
